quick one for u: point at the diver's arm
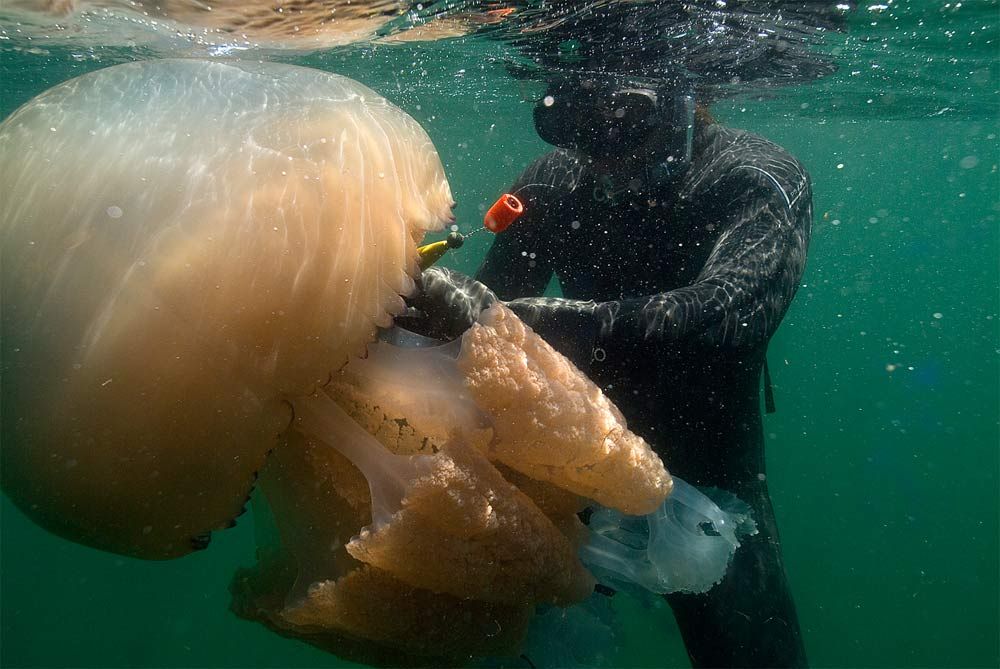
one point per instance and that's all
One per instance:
(448, 302)
(517, 263)
(512, 267)
(740, 295)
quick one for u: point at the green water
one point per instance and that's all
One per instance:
(882, 457)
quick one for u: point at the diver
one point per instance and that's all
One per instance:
(678, 245)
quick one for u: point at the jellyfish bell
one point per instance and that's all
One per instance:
(188, 244)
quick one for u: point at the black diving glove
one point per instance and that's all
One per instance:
(446, 304)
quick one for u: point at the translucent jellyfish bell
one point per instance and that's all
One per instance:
(185, 245)
(684, 546)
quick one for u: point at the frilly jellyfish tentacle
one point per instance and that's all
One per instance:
(552, 423)
(306, 584)
(438, 520)
(683, 546)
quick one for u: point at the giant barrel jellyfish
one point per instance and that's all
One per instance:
(193, 253)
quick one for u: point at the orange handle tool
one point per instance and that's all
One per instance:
(504, 211)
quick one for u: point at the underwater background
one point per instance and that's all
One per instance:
(883, 454)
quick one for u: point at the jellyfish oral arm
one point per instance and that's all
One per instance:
(389, 475)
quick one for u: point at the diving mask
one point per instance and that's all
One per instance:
(615, 119)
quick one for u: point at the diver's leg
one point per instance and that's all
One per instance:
(749, 619)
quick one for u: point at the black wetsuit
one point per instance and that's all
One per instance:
(684, 286)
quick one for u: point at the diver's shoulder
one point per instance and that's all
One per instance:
(722, 151)
(560, 169)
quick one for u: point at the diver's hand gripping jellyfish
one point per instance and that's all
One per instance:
(193, 253)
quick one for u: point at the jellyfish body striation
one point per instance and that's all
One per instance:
(187, 244)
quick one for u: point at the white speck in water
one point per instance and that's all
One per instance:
(835, 221)
(454, 228)
(761, 476)
(575, 225)
(968, 162)
(115, 211)
(548, 101)
(147, 529)
(938, 315)
(840, 166)
(106, 383)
